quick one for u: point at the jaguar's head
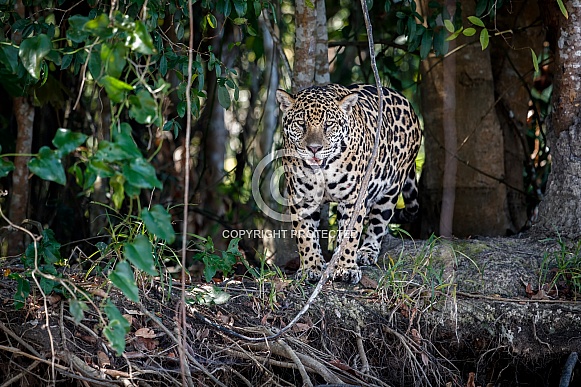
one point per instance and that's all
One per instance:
(315, 122)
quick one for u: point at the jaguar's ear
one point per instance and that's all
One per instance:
(347, 103)
(284, 99)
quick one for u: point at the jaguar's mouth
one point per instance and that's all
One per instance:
(316, 162)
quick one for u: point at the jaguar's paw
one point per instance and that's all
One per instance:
(350, 275)
(366, 257)
(311, 274)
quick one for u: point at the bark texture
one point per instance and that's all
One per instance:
(305, 46)
(19, 197)
(561, 210)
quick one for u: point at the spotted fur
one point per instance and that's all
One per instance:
(329, 133)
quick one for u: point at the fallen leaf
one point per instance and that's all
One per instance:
(146, 333)
(54, 299)
(225, 319)
(471, 378)
(103, 359)
(368, 282)
(203, 334)
(301, 327)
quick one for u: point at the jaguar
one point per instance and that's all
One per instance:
(329, 134)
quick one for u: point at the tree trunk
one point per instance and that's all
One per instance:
(450, 138)
(305, 46)
(513, 72)
(24, 113)
(561, 210)
(310, 66)
(480, 149)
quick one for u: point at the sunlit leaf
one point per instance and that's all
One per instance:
(117, 184)
(99, 26)
(123, 278)
(449, 25)
(48, 166)
(158, 222)
(140, 40)
(535, 60)
(211, 19)
(484, 38)
(143, 107)
(563, 9)
(469, 31)
(114, 58)
(32, 51)
(140, 254)
(115, 88)
(476, 21)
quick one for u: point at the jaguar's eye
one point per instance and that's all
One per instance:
(300, 123)
(329, 124)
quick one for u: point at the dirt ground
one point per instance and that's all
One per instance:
(478, 312)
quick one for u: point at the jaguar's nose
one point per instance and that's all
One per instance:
(315, 148)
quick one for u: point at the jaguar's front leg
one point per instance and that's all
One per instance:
(347, 269)
(305, 221)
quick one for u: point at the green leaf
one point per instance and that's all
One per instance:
(114, 58)
(95, 64)
(5, 167)
(99, 26)
(9, 58)
(484, 38)
(141, 174)
(454, 35)
(32, 51)
(22, 292)
(476, 21)
(163, 65)
(240, 6)
(469, 31)
(143, 108)
(535, 61)
(140, 40)
(140, 254)
(117, 184)
(449, 25)
(115, 88)
(124, 139)
(77, 309)
(223, 96)
(211, 20)
(67, 141)
(75, 32)
(117, 328)
(158, 222)
(426, 45)
(50, 247)
(123, 278)
(563, 9)
(48, 166)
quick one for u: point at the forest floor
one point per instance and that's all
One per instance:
(476, 312)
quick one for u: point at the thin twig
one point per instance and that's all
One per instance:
(293, 356)
(361, 349)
